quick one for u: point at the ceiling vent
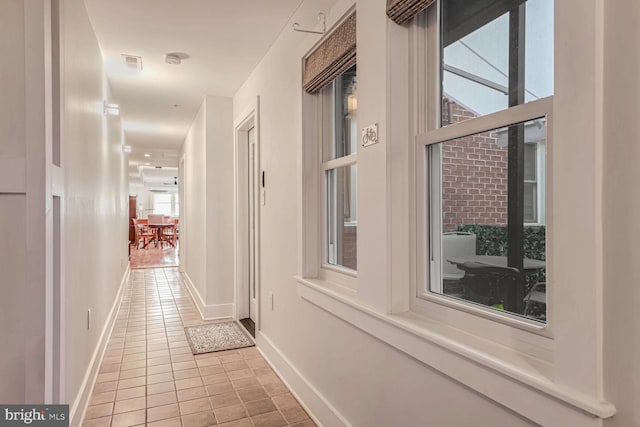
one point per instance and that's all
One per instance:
(175, 58)
(132, 61)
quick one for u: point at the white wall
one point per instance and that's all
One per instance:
(621, 201)
(193, 226)
(219, 199)
(94, 194)
(366, 381)
(206, 224)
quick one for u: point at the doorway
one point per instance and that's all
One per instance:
(248, 188)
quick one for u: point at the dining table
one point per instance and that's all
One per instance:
(160, 236)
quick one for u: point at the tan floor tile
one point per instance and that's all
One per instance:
(129, 405)
(187, 373)
(131, 382)
(273, 389)
(159, 369)
(252, 393)
(172, 422)
(294, 415)
(130, 393)
(182, 358)
(246, 382)
(133, 364)
(242, 373)
(104, 397)
(129, 419)
(230, 413)
(191, 393)
(258, 407)
(184, 365)
(99, 411)
(211, 361)
(97, 422)
(160, 378)
(163, 412)
(219, 388)
(306, 423)
(244, 422)
(231, 357)
(158, 361)
(109, 367)
(249, 353)
(158, 353)
(270, 419)
(195, 405)
(256, 363)
(211, 370)
(107, 386)
(133, 357)
(188, 383)
(284, 401)
(109, 376)
(161, 399)
(200, 419)
(160, 387)
(268, 379)
(262, 371)
(215, 379)
(235, 366)
(226, 399)
(132, 373)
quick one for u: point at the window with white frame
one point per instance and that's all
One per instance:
(340, 172)
(166, 204)
(481, 153)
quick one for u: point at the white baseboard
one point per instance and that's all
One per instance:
(317, 406)
(80, 403)
(211, 311)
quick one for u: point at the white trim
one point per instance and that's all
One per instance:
(503, 375)
(314, 403)
(82, 398)
(250, 117)
(208, 312)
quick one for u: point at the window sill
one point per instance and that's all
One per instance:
(515, 380)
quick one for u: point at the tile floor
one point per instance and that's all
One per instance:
(153, 257)
(149, 377)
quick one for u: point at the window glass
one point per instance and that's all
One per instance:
(477, 255)
(342, 216)
(345, 108)
(495, 54)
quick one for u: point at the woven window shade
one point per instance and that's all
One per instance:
(403, 10)
(332, 58)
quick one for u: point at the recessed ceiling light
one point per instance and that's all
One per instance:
(147, 155)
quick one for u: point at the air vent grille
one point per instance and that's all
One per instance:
(132, 61)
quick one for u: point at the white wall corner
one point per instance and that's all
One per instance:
(315, 403)
(210, 311)
(78, 408)
(195, 295)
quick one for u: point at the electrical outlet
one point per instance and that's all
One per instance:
(89, 318)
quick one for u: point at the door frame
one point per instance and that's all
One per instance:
(245, 121)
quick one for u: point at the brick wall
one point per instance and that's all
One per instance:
(474, 176)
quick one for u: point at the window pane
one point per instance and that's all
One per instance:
(342, 216)
(479, 255)
(346, 106)
(484, 43)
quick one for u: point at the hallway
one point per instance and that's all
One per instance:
(149, 377)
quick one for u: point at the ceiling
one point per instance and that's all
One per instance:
(224, 40)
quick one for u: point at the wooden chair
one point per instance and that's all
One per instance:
(170, 233)
(143, 234)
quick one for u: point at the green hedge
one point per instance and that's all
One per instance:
(492, 240)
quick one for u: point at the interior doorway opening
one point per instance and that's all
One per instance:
(248, 188)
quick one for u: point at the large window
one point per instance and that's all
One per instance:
(166, 204)
(339, 166)
(483, 151)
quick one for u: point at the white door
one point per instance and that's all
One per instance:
(252, 204)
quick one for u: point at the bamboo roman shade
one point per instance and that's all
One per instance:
(403, 10)
(333, 57)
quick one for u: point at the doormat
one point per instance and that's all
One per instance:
(217, 337)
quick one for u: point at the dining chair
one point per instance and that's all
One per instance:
(142, 234)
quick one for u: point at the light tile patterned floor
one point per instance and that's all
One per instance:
(151, 256)
(149, 376)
